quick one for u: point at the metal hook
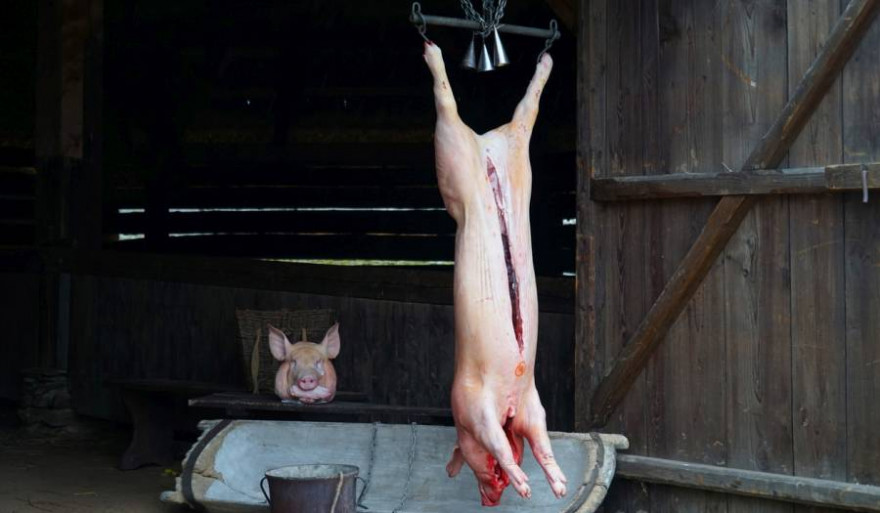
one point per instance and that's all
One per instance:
(554, 27)
(421, 24)
(864, 183)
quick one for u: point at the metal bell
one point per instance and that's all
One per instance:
(485, 61)
(470, 57)
(500, 55)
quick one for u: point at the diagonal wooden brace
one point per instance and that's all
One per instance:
(731, 210)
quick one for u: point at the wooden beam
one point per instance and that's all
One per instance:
(809, 180)
(731, 210)
(555, 295)
(763, 485)
(848, 177)
(693, 185)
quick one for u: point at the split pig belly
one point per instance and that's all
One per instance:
(485, 334)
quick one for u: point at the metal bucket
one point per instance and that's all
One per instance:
(320, 488)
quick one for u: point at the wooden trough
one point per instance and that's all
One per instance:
(403, 466)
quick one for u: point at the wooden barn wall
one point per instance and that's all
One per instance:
(397, 352)
(774, 364)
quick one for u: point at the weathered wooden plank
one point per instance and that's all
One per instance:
(861, 142)
(591, 151)
(691, 131)
(803, 180)
(755, 261)
(848, 177)
(731, 210)
(391, 222)
(764, 485)
(257, 403)
(630, 128)
(697, 185)
(301, 197)
(293, 245)
(818, 397)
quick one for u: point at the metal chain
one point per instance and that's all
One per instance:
(369, 477)
(491, 16)
(412, 457)
(470, 13)
(499, 13)
(549, 42)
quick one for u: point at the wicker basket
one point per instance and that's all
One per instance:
(259, 364)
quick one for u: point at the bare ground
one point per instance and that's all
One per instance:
(47, 471)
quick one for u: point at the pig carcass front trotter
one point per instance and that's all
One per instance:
(486, 182)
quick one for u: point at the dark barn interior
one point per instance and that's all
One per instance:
(704, 223)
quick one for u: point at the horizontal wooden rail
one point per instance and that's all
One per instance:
(810, 180)
(555, 295)
(764, 485)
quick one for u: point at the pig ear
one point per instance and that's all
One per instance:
(278, 343)
(331, 341)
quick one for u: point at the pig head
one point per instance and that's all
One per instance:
(306, 372)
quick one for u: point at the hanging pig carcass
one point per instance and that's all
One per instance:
(486, 182)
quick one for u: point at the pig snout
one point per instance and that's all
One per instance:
(308, 382)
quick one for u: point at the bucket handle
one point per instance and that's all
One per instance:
(359, 499)
(360, 496)
(262, 489)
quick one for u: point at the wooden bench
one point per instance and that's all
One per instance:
(155, 406)
(244, 405)
(159, 406)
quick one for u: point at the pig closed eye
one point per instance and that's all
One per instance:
(320, 367)
(292, 364)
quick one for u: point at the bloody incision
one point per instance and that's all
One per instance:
(500, 479)
(512, 284)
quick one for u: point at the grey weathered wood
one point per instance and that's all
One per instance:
(848, 177)
(697, 185)
(630, 144)
(765, 485)
(861, 142)
(691, 133)
(755, 261)
(818, 357)
(804, 180)
(586, 359)
(731, 210)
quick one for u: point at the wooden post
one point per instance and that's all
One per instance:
(731, 210)
(586, 375)
(63, 30)
(87, 200)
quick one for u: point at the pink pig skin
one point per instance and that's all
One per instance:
(306, 372)
(486, 181)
